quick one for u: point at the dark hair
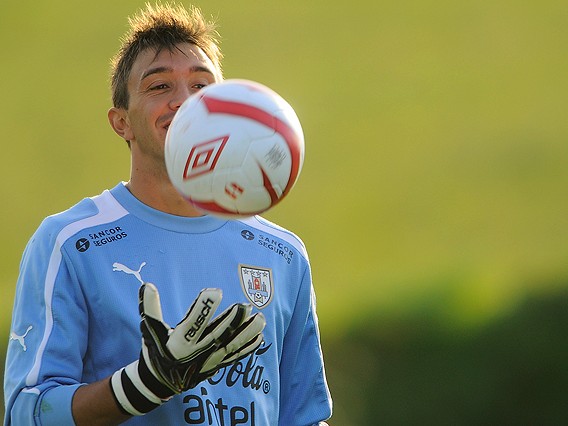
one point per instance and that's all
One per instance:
(161, 27)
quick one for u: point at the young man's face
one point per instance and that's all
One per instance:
(157, 86)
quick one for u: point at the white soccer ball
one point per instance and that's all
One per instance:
(235, 148)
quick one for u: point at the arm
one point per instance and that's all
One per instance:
(43, 378)
(94, 405)
(172, 361)
(53, 312)
(230, 337)
(305, 397)
(44, 370)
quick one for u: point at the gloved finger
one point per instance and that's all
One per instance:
(154, 330)
(242, 351)
(228, 321)
(244, 340)
(149, 302)
(188, 332)
(219, 359)
(246, 333)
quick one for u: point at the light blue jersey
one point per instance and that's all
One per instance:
(76, 318)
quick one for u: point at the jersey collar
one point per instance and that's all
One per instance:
(191, 225)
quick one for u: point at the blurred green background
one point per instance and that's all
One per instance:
(432, 200)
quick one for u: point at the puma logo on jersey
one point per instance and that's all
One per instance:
(20, 339)
(123, 268)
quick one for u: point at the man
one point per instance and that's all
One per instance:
(91, 342)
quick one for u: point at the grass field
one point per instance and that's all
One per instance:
(435, 176)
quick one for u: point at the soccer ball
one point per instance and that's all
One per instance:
(235, 148)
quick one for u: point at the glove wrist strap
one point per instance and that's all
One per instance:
(132, 392)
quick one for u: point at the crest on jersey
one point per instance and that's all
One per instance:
(257, 284)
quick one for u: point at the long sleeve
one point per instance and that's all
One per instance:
(48, 340)
(305, 398)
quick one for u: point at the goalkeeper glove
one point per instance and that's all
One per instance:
(175, 360)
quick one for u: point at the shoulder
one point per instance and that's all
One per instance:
(90, 211)
(275, 231)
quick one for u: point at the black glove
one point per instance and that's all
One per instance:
(175, 360)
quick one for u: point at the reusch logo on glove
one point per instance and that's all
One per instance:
(205, 311)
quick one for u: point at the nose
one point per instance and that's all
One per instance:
(179, 97)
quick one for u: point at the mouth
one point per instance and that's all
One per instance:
(166, 121)
(167, 125)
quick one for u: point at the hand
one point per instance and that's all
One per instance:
(174, 360)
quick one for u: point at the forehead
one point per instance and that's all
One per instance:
(182, 56)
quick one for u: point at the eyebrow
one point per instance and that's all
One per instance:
(159, 70)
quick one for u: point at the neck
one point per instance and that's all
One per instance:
(161, 195)
(150, 183)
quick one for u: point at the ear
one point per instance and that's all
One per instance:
(120, 123)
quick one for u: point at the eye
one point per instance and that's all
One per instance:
(160, 86)
(199, 86)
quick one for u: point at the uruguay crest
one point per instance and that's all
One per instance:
(257, 284)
